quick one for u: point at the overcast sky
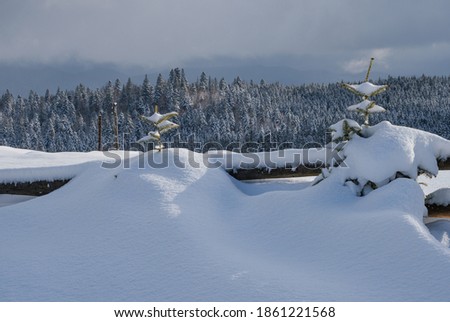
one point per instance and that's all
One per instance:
(339, 36)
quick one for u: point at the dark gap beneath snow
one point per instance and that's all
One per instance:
(438, 211)
(261, 173)
(444, 164)
(36, 188)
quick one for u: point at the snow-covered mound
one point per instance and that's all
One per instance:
(193, 233)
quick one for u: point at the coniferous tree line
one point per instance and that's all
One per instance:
(212, 110)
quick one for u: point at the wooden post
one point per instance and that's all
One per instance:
(99, 127)
(116, 127)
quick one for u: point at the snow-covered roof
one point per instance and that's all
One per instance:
(366, 89)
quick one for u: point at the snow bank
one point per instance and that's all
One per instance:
(195, 234)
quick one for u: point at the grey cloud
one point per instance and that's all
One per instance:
(307, 35)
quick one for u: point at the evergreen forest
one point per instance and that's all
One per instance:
(228, 115)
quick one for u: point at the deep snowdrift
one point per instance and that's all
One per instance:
(195, 233)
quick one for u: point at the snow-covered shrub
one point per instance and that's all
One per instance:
(382, 153)
(344, 130)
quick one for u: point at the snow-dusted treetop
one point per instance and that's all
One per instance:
(366, 89)
(366, 105)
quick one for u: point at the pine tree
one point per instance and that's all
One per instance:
(366, 90)
(146, 92)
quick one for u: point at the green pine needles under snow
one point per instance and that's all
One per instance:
(212, 110)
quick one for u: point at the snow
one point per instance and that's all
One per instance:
(289, 158)
(11, 158)
(8, 200)
(437, 189)
(152, 135)
(366, 89)
(19, 165)
(158, 118)
(193, 233)
(366, 105)
(165, 126)
(441, 230)
(162, 124)
(257, 187)
(338, 129)
(440, 197)
(429, 185)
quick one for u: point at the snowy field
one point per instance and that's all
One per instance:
(196, 234)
